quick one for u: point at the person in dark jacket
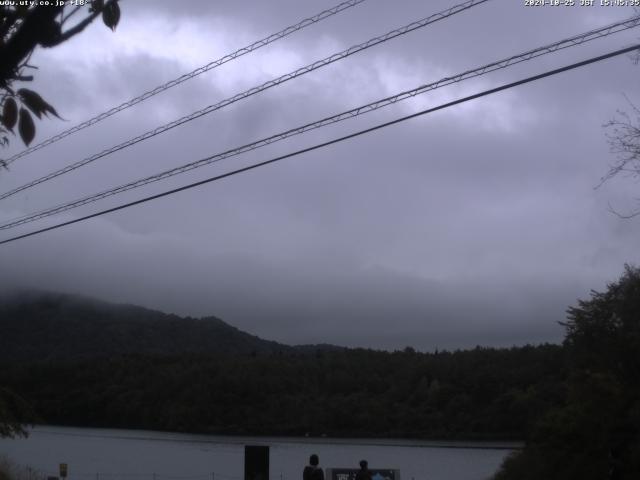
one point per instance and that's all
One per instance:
(313, 471)
(364, 473)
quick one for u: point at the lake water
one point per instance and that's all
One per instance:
(101, 454)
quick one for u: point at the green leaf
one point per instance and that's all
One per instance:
(111, 14)
(36, 103)
(10, 113)
(26, 126)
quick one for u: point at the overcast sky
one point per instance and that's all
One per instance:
(479, 224)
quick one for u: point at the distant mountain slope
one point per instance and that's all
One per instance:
(71, 359)
(51, 326)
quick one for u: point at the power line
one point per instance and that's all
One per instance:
(188, 76)
(500, 64)
(330, 142)
(255, 90)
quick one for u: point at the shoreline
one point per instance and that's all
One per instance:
(163, 436)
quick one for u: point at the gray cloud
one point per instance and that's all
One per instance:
(474, 225)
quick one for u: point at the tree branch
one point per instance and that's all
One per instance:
(633, 214)
(79, 27)
(71, 14)
(26, 38)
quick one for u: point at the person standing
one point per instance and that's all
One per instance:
(364, 473)
(313, 471)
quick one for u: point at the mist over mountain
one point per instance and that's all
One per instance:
(36, 325)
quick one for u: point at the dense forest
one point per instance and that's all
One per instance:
(83, 362)
(482, 393)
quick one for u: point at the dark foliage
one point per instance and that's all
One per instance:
(74, 359)
(15, 411)
(596, 434)
(476, 394)
(24, 26)
(61, 327)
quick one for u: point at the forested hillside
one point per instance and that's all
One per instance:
(49, 326)
(483, 393)
(83, 362)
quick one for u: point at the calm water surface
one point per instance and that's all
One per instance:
(101, 454)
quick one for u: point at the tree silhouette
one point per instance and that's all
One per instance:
(596, 434)
(623, 134)
(23, 28)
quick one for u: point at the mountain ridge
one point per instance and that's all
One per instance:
(60, 326)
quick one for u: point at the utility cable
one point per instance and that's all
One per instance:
(361, 110)
(330, 142)
(188, 76)
(252, 91)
